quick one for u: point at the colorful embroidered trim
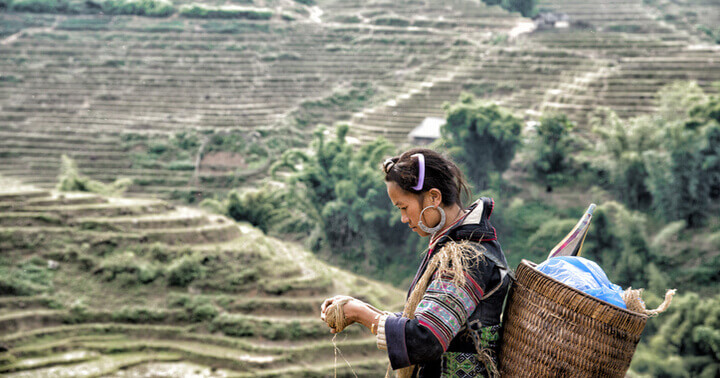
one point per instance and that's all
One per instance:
(445, 307)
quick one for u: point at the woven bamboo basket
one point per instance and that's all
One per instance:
(554, 330)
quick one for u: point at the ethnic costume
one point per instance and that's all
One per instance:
(454, 321)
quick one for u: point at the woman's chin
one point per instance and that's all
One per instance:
(420, 232)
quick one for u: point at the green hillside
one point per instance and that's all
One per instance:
(93, 285)
(220, 105)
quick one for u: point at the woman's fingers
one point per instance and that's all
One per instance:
(326, 304)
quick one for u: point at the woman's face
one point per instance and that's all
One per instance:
(411, 205)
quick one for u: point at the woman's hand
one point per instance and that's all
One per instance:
(330, 301)
(355, 310)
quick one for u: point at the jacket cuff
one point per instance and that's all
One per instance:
(395, 339)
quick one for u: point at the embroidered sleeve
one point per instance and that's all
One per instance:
(446, 306)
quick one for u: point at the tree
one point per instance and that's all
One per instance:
(344, 186)
(623, 144)
(679, 187)
(617, 242)
(482, 137)
(525, 7)
(551, 148)
(687, 342)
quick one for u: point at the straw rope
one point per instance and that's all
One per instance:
(335, 319)
(633, 301)
(335, 315)
(453, 259)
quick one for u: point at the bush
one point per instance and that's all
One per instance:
(183, 271)
(153, 8)
(233, 325)
(391, 21)
(29, 278)
(203, 313)
(115, 265)
(71, 180)
(204, 11)
(182, 165)
(138, 315)
(39, 6)
(294, 330)
(77, 314)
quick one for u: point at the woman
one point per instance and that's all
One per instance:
(451, 322)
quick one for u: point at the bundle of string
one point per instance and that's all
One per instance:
(335, 319)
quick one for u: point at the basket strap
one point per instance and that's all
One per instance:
(504, 273)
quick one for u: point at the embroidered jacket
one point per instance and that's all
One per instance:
(440, 327)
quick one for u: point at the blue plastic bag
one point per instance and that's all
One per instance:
(584, 275)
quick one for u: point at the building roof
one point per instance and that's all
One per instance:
(429, 128)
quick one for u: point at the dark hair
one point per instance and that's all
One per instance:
(440, 173)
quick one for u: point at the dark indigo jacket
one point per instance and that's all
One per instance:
(410, 343)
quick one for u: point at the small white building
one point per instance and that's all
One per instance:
(427, 131)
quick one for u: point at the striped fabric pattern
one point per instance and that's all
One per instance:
(445, 306)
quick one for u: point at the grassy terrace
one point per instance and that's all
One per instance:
(616, 54)
(77, 84)
(142, 286)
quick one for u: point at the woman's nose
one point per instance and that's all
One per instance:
(405, 219)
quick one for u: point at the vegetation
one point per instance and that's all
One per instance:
(346, 100)
(71, 180)
(669, 162)
(203, 11)
(526, 7)
(552, 149)
(687, 343)
(152, 8)
(482, 137)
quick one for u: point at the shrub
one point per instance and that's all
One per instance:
(233, 325)
(203, 11)
(391, 21)
(148, 273)
(78, 313)
(182, 165)
(115, 265)
(153, 8)
(138, 315)
(294, 330)
(183, 271)
(159, 252)
(28, 278)
(39, 6)
(71, 180)
(203, 313)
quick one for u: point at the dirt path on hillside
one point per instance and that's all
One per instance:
(14, 37)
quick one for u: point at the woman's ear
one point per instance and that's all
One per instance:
(434, 196)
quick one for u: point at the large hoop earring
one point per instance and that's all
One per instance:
(439, 226)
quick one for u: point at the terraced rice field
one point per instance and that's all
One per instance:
(76, 84)
(252, 310)
(615, 55)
